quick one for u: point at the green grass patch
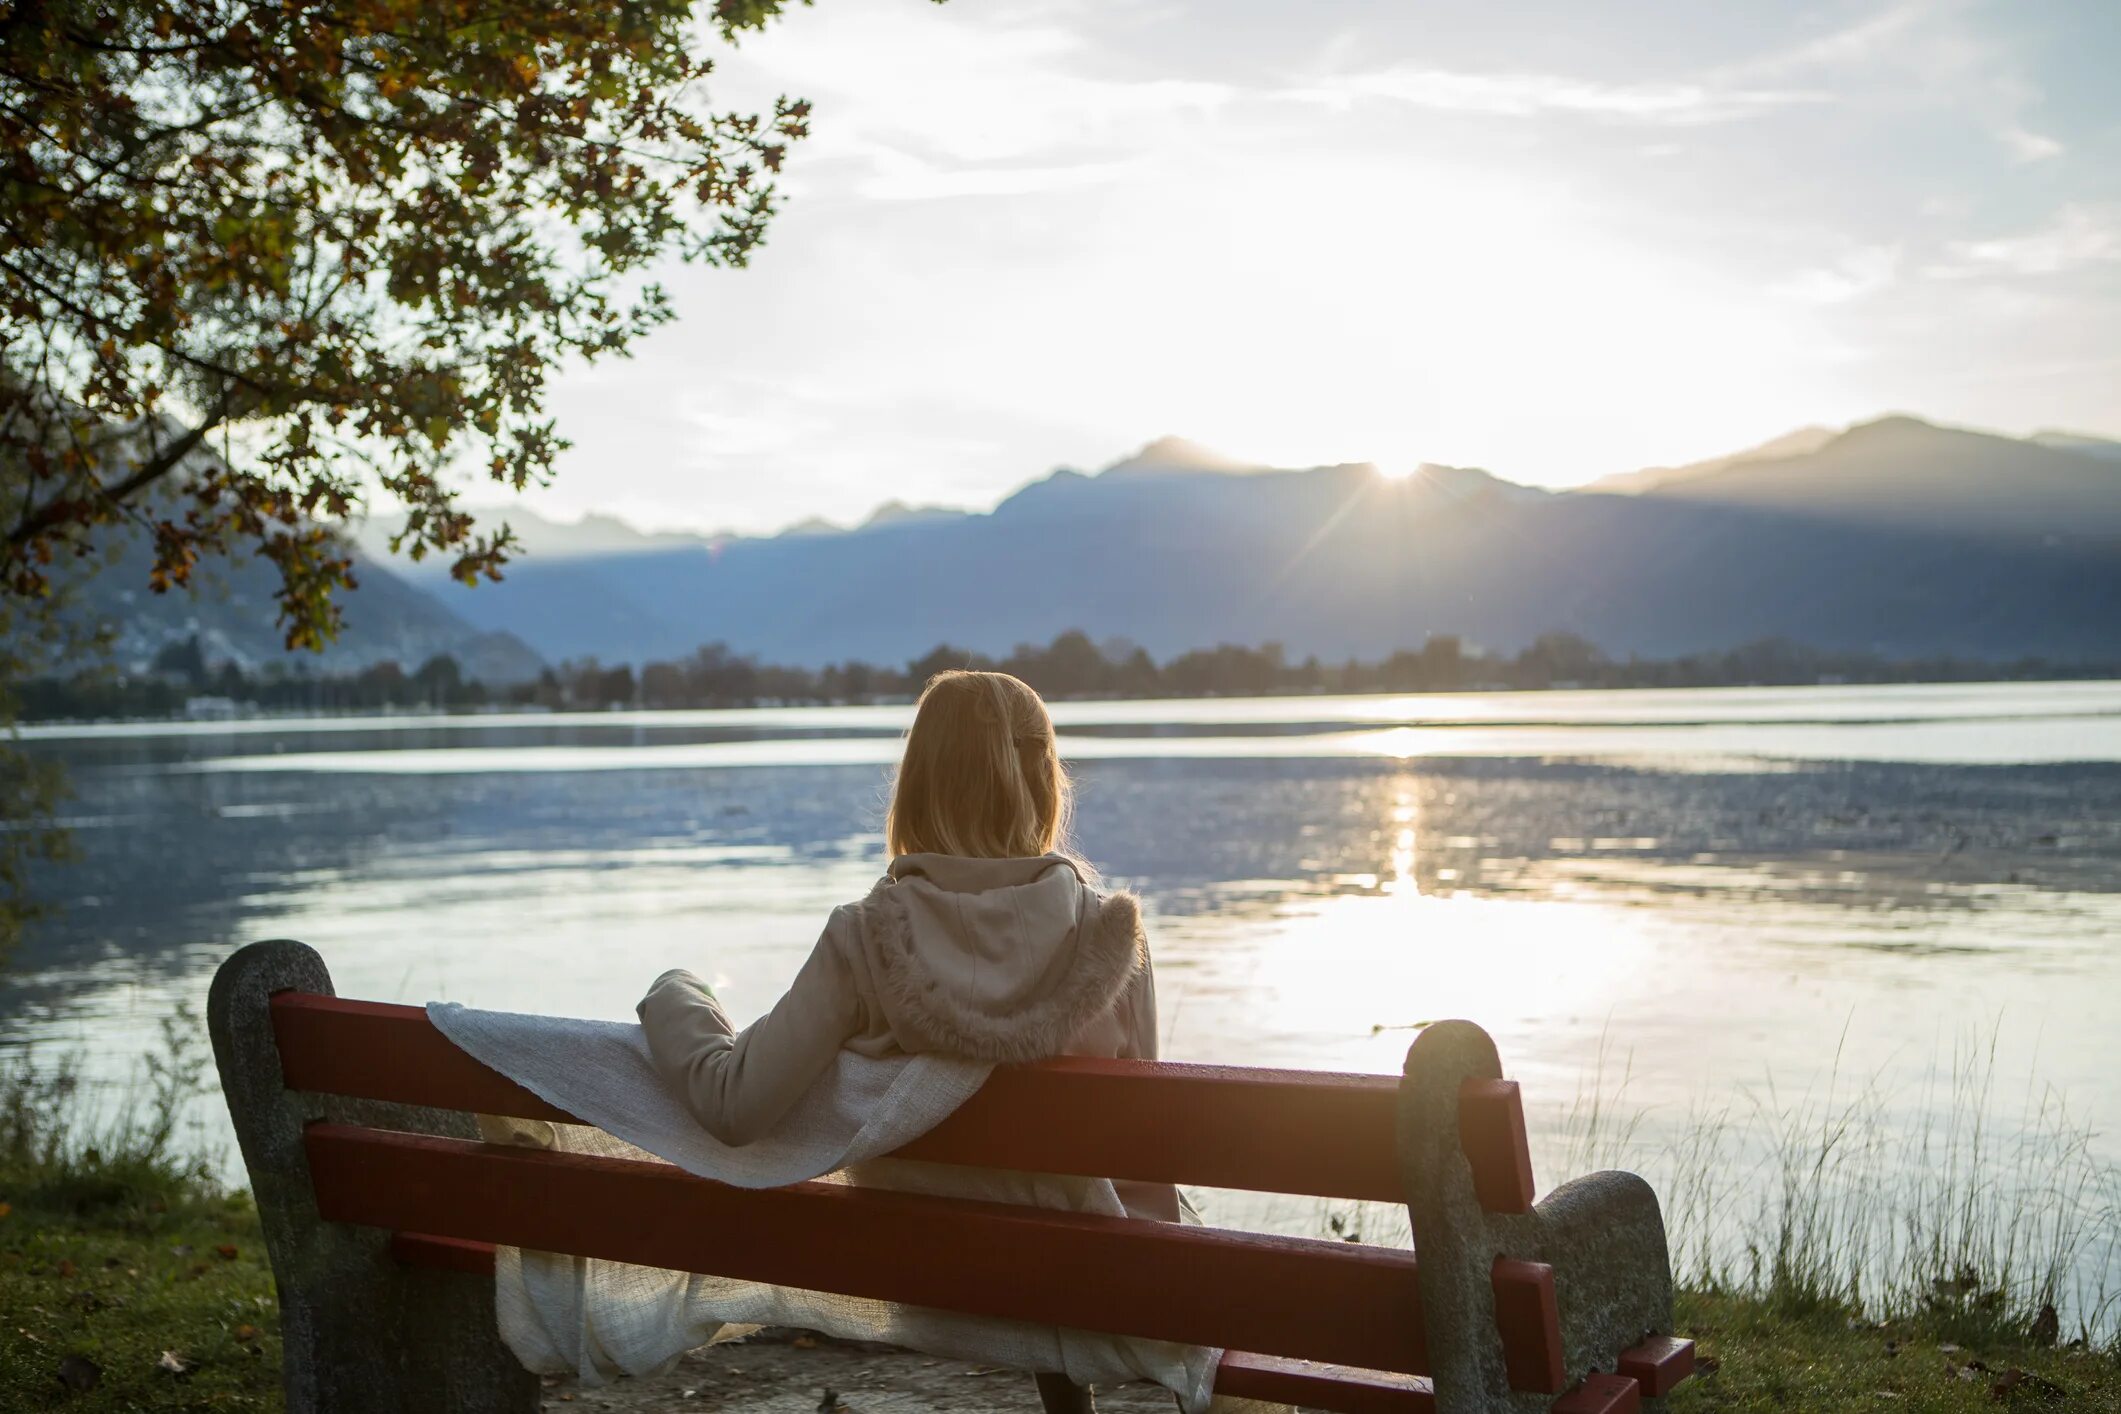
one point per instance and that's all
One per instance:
(130, 1288)
(129, 1279)
(1755, 1357)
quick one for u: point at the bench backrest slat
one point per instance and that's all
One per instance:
(1312, 1300)
(1273, 1131)
(1272, 1379)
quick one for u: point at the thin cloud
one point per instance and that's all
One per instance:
(2029, 146)
(1524, 95)
(901, 176)
(1863, 271)
(2077, 236)
(1927, 50)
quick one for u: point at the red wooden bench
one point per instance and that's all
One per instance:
(381, 1210)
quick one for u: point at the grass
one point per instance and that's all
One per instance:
(1757, 1358)
(129, 1280)
(1984, 1217)
(134, 1302)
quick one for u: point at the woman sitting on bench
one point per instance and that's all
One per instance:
(986, 938)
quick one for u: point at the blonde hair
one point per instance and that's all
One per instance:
(980, 776)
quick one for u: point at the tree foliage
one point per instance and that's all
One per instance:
(341, 245)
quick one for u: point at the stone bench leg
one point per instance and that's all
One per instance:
(1601, 1236)
(362, 1334)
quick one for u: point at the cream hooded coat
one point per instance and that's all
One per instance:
(993, 959)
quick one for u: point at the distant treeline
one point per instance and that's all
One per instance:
(182, 678)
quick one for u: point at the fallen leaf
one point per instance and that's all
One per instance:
(226, 1251)
(6, 1208)
(67, 1267)
(79, 1373)
(245, 1333)
(172, 1363)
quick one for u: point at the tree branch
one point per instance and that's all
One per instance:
(48, 516)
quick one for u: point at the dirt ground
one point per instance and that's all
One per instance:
(779, 1371)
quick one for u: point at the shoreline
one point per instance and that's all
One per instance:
(881, 707)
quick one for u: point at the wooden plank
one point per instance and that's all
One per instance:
(1528, 1317)
(1602, 1394)
(380, 1051)
(1269, 1131)
(1659, 1364)
(1275, 1131)
(452, 1254)
(1315, 1386)
(1246, 1376)
(1333, 1302)
(455, 1254)
(1491, 1131)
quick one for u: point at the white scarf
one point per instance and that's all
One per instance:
(594, 1318)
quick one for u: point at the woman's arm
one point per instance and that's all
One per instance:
(739, 1084)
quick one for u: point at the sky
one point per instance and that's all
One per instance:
(1556, 241)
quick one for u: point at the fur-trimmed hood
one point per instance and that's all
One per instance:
(997, 959)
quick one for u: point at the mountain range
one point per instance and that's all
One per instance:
(230, 609)
(1895, 536)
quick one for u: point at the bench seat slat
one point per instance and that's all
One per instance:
(1272, 1131)
(1263, 1377)
(1315, 1386)
(1323, 1301)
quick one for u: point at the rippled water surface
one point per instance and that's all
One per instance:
(1680, 900)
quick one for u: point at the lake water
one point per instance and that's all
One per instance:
(1727, 910)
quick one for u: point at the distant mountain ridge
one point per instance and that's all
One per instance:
(1895, 536)
(1901, 472)
(1175, 456)
(1790, 444)
(230, 609)
(2104, 448)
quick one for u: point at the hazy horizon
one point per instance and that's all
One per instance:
(681, 525)
(1558, 244)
